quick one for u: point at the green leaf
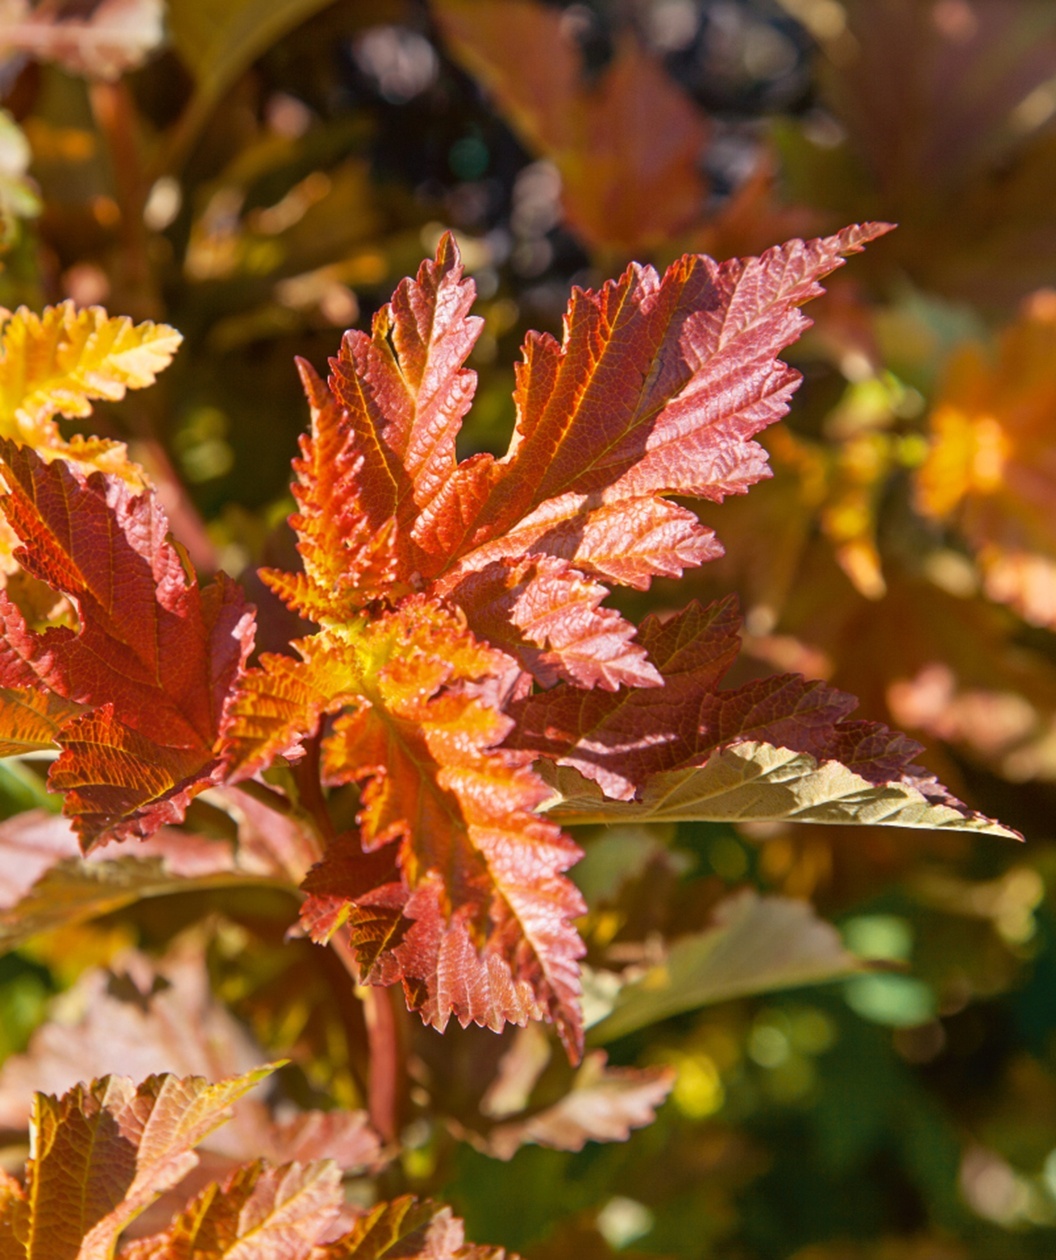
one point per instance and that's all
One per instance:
(757, 782)
(217, 42)
(755, 945)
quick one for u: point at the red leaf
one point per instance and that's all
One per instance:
(657, 389)
(414, 393)
(154, 657)
(545, 601)
(621, 740)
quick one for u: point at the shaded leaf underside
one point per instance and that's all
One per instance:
(777, 749)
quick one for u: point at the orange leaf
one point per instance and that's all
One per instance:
(990, 466)
(101, 1154)
(277, 1213)
(476, 923)
(628, 145)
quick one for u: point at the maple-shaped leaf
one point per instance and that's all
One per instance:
(657, 389)
(989, 465)
(778, 748)
(443, 587)
(102, 1153)
(102, 39)
(152, 660)
(472, 912)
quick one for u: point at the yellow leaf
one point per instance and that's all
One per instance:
(57, 363)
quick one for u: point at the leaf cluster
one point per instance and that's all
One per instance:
(480, 715)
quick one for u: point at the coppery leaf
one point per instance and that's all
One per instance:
(154, 658)
(103, 1152)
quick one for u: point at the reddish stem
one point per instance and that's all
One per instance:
(386, 1074)
(386, 1081)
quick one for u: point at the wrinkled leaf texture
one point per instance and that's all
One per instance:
(445, 590)
(462, 632)
(104, 1151)
(134, 695)
(58, 362)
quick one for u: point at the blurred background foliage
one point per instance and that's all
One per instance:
(264, 179)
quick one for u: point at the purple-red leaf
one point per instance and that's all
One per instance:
(779, 747)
